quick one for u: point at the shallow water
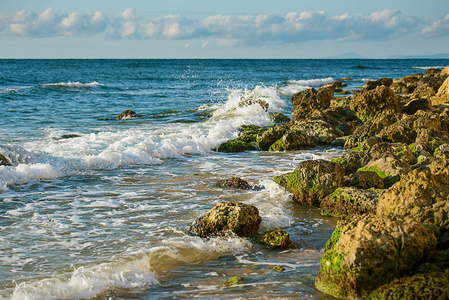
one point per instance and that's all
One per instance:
(105, 213)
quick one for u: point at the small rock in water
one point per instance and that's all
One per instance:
(277, 268)
(234, 182)
(4, 161)
(234, 281)
(278, 239)
(127, 114)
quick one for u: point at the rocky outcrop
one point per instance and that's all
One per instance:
(240, 218)
(443, 94)
(278, 239)
(318, 131)
(269, 137)
(235, 183)
(312, 180)
(369, 252)
(367, 180)
(370, 104)
(279, 118)
(388, 167)
(413, 106)
(293, 140)
(306, 101)
(352, 161)
(348, 202)
(422, 286)
(406, 85)
(371, 85)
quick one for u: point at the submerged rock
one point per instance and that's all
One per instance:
(240, 218)
(278, 239)
(422, 286)
(235, 183)
(312, 180)
(347, 202)
(127, 114)
(369, 252)
(4, 161)
(370, 104)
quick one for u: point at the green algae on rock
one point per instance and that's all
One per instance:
(278, 239)
(239, 144)
(240, 218)
(234, 281)
(312, 180)
(269, 137)
(369, 252)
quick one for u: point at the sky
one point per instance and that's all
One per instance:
(222, 29)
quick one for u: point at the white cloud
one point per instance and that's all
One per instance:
(438, 28)
(223, 30)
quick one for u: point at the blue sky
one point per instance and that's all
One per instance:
(221, 29)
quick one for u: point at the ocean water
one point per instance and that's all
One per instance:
(94, 207)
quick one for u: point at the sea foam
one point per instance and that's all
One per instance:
(295, 86)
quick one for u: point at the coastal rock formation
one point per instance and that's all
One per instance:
(421, 286)
(413, 106)
(279, 118)
(407, 84)
(443, 94)
(366, 180)
(240, 218)
(352, 161)
(388, 167)
(278, 239)
(269, 137)
(239, 144)
(312, 180)
(347, 202)
(369, 252)
(293, 140)
(371, 85)
(306, 101)
(318, 131)
(235, 183)
(370, 104)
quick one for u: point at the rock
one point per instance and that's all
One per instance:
(445, 72)
(388, 167)
(369, 129)
(312, 180)
(347, 202)
(306, 101)
(443, 94)
(406, 85)
(421, 286)
(443, 242)
(278, 239)
(277, 268)
(336, 86)
(366, 180)
(235, 183)
(420, 195)
(339, 142)
(318, 131)
(413, 106)
(4, 161)
(345, 79)
(400, 150)
(239, 144)
(236, 280)
(369, 252)
(439, 259)
(430, 140)
(371, 85)
(292, 140)
(352, 161)
(279, 118)
(242, 219)
(248, 102)
(252, 130)
(432, 72)
(127, 114)
(269, 137)
(370, 104)
(423, 91)
(367, 144)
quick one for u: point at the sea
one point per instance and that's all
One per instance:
(98, 208)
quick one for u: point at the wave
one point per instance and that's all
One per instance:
(427, 68)
(75, 85)
(295, 86)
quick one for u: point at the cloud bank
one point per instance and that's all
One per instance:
(223, 30)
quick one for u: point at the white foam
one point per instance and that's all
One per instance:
(295, 86)
(76, 84)
(24, 173)
(16, 154)
(427, 68)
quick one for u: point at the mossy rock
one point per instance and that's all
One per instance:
(292, 140)
(269, 137)
(278, 239)
(252, 131)
(347, 202)
(234, 281)
(421, 286)
(277, 268)
(239, 144)
(235, 183)
(279, 118)
(366, 180)
(352, 161)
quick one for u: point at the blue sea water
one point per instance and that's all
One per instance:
(94, 207)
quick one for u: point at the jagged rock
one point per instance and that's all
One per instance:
(240, 218)
(369, 129)
(347, 202)
(366, 180)
(369, 252)
(352, 161)
(278, 239)
(369, 143)
(371, 85)
(432, 72)
(127, 114)
(292, 140)
(279, 118)
(235, 183)
(388, 167)
(420, 195)
(407, 84)
(306, 101)
(430, 140)
(336, 86)
(445, 72)
(248, 102)
(421, 286)
(443, 94)
(370, 104)
(312, 180)
(423, 91)
(269, 137)
(318, 131)
(239, 144)
(413, 106)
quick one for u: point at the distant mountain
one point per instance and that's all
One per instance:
(431, 56)
(348, 55)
